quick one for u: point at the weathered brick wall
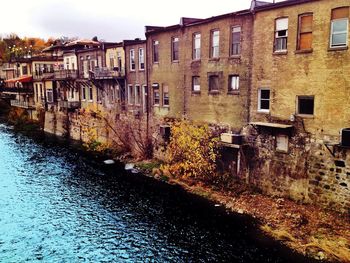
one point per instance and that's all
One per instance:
(224, 108)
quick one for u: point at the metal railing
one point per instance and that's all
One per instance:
(43, 75)
(103, 73)
(66, 74)
(21, 104)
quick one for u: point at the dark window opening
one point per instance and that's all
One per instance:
(306, 105)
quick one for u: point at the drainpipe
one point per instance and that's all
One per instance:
(147, 89)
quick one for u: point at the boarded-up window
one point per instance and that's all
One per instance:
(214, 83)
(339, 27)
(282, 143)
(305, 31)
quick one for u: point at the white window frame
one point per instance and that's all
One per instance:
(236, 29)
(196, 88)
(132, 60)
(141, 59)
(196, 46)
(215, 49)
(259, 101)
(130, 95)
(342, 32)
(91, 94)
(236, 83)
(277, 29)
(137, 99)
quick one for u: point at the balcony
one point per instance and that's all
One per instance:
(70, 105)
(66, 74)
(43, 75)
(107, 73)
(22, 104)
(16, 90)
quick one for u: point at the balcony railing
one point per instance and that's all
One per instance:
(21, 104)
(106, 73)
(66, 74)
(43, 75)
(69, 104)
(16, 90)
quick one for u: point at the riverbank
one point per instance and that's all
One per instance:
(307, 229)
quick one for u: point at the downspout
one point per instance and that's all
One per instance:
(147, 90)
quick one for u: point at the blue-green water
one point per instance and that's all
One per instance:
(58, 206)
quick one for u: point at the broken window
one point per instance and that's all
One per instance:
(196, 46)
(214, 43)
(175, 49)
(306, 105)
(233, 83)
(281, 34)
(196, 86)
(236, 41)
(339, 27)
(213, 83)
(305, 32)
(264, 100)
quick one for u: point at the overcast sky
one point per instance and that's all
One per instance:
(111, 20)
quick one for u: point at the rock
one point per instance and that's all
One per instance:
(109, 161)
(321, 255)
(240, 211)
(129, 166)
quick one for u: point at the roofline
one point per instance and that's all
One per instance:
(281, 4)
(157, 29)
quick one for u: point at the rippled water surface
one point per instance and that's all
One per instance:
(57, 206)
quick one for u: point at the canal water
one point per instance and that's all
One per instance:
(57, 205)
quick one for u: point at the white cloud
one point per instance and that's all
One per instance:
(108, 19)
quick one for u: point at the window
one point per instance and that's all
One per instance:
(36, 92)
(144, 98)
(49, 95)
(165, 96)
(137, 95)
(155, 51)
(156, 98)
(111, 61)
(215, 40)
(196, 86)
(213, 83)
(132, 59)
(141, 59)
(41, 91)
(24, 70)
(130, 94)
(233, 83)
(305, 32)
(175, 49)
(196, 46)
(306, 105)
(264, 100)
(339, 27)
(83, 92)
(282, 143)
(67, 63)
(281, 34)
(236, 41)
(90, 94)
(72, 93)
